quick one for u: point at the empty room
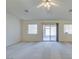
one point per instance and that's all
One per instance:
(38, 29)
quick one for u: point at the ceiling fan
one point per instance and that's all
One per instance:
(47, 4)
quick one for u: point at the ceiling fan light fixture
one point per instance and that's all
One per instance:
(47, 4)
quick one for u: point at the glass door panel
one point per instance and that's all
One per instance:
(53, 32)
(46, 32)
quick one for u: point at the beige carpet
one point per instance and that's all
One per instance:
(40, 50)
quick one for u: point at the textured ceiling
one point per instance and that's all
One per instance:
(18, 7)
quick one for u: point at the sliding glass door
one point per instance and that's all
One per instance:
(49, 32)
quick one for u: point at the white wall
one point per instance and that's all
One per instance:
(12, 29)
(38, 37)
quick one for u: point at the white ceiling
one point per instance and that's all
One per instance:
(18, 7)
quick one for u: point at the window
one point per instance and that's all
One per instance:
(68, 29)
(32, 29)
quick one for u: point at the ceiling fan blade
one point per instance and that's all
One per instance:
(40, 5)
(53, 4)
